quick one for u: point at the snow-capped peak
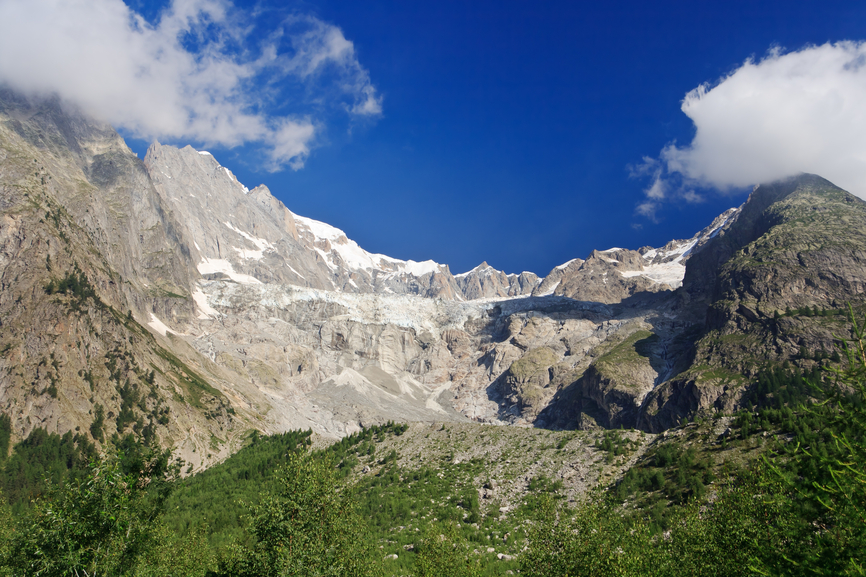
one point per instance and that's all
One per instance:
(483, 267)
(356, 257)
(667, 264)
(565, 265)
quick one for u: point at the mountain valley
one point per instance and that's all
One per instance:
(159, 304)
(204, 309)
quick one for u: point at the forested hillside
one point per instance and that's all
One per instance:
(778, 488)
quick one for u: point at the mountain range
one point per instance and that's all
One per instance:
(163, 298)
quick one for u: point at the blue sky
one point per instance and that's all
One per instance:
(506, 131)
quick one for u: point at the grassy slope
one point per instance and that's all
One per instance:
(484, 477)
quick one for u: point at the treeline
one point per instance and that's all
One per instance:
(279, 508)
(801, 510)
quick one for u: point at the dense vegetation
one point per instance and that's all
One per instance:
(280, 508)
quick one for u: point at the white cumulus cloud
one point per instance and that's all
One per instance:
(787, 113)
(194, 74)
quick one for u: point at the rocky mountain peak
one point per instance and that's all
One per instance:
(484, 282)
(289, 323)
(748, 224)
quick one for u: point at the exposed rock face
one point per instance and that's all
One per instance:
(799, 246)
(84, 240)
(612, 275)
(524, 382)
(603, 277)
(251, 237)
(611, 391)
(484, 281)
(225, 311)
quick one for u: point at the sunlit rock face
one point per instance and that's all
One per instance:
(226, 311)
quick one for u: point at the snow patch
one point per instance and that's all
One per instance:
(673, 271)
(205, 310)
(291, 268)
(481, 267)
(320, 229)
(550, 291)
(158, 325)
(669, 273)
(565, 265)
(215, 265)
(418, 268)
(205, 153)
(261, 243)
(650, 254)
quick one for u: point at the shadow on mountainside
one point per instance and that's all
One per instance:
(645, 339)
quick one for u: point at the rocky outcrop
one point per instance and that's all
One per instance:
(225, 311)
(612, 389)
(607, 277)
(484, 281)
(250, 237)
(613, 275)
(87, 252)
(524, 382)
(772, 286)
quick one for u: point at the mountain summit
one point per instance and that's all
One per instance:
(163, 298)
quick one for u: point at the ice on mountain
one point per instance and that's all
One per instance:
(219, 265)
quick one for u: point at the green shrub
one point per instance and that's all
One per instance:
(308, 526)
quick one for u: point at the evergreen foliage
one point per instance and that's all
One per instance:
(41, 460)
(443, 553)
(826, 472)
(76, 286)
(5, 436)
(96, 427)
(307, 527)
(671, 473)
(215, 502)
(591, 540)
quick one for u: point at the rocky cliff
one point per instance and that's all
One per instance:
(85, 240)
(192, 309)
(774, 289)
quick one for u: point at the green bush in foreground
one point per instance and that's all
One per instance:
(307, 527)
(103, 523)
(445, 554)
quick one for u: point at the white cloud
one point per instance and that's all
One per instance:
(192, 75)
(787, 113)
(691, 197)
(289, 141)
(318, 48)
(658, 189)
(648, 209)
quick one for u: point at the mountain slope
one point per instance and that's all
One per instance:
(85, 241)
(168, 282)
(775, 288)
(250, 236)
